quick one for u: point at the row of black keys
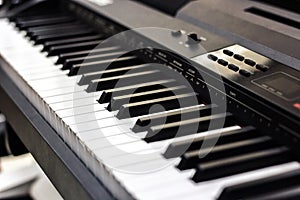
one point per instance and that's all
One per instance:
(235, 152)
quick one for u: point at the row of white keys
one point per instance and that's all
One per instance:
(67, 104)
(70, 111)
(54, 83)
(58, 92)
(32, 55)
(61, 105)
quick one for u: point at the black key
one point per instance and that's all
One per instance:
(261, 186)
(118, 101)
(47, 45)
(103, 65)
(190, 159)
(245, 73)
(62, 29)
(187, 127)
(63, 57)
(239, 57)
(55, 50)
(127, 79)
(43, 22)
(233, 67)
(142, 87)
(228, 52)
(91, 58)
(292, 193)
(175, 149)
(45, 38)
(40, 16)
(143, 107)
(262, 68)
(50, 27)
(60, 33)
(87, 78)
(250, 62)
(242, 163)
(142, 124)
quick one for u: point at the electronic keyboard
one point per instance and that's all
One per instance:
(153, 106)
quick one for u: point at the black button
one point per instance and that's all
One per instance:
(233, 67)
(212, 57)
(228, 52)
(239, 57)
(261, 67)
(250, 62)
(245, 73)
(222, 62)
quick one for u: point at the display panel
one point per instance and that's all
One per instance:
(281, 84)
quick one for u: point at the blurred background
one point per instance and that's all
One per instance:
(20, 176)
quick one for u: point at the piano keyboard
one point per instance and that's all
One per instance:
(138, 152)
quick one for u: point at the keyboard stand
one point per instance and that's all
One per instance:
(67, 173)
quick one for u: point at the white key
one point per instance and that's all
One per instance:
(61, 91)
(75, 103)
(98, 144)
(34, 71)
(105, 132)
(52, 83)
(39, 76)
(72, 96)
(162, 175)
(80, 110)
(86, 126)
(88, 117)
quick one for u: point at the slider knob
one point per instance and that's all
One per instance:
(193, 38)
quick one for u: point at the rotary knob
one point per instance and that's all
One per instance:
(177, 33)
